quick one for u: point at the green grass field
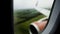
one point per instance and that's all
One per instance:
(23, 28)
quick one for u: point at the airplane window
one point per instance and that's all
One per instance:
(31, 16)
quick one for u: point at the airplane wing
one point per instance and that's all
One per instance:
(41, 6)
(43, 11)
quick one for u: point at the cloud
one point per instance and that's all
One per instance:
(21, 4)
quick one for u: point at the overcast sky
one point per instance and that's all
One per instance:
(23, 4)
